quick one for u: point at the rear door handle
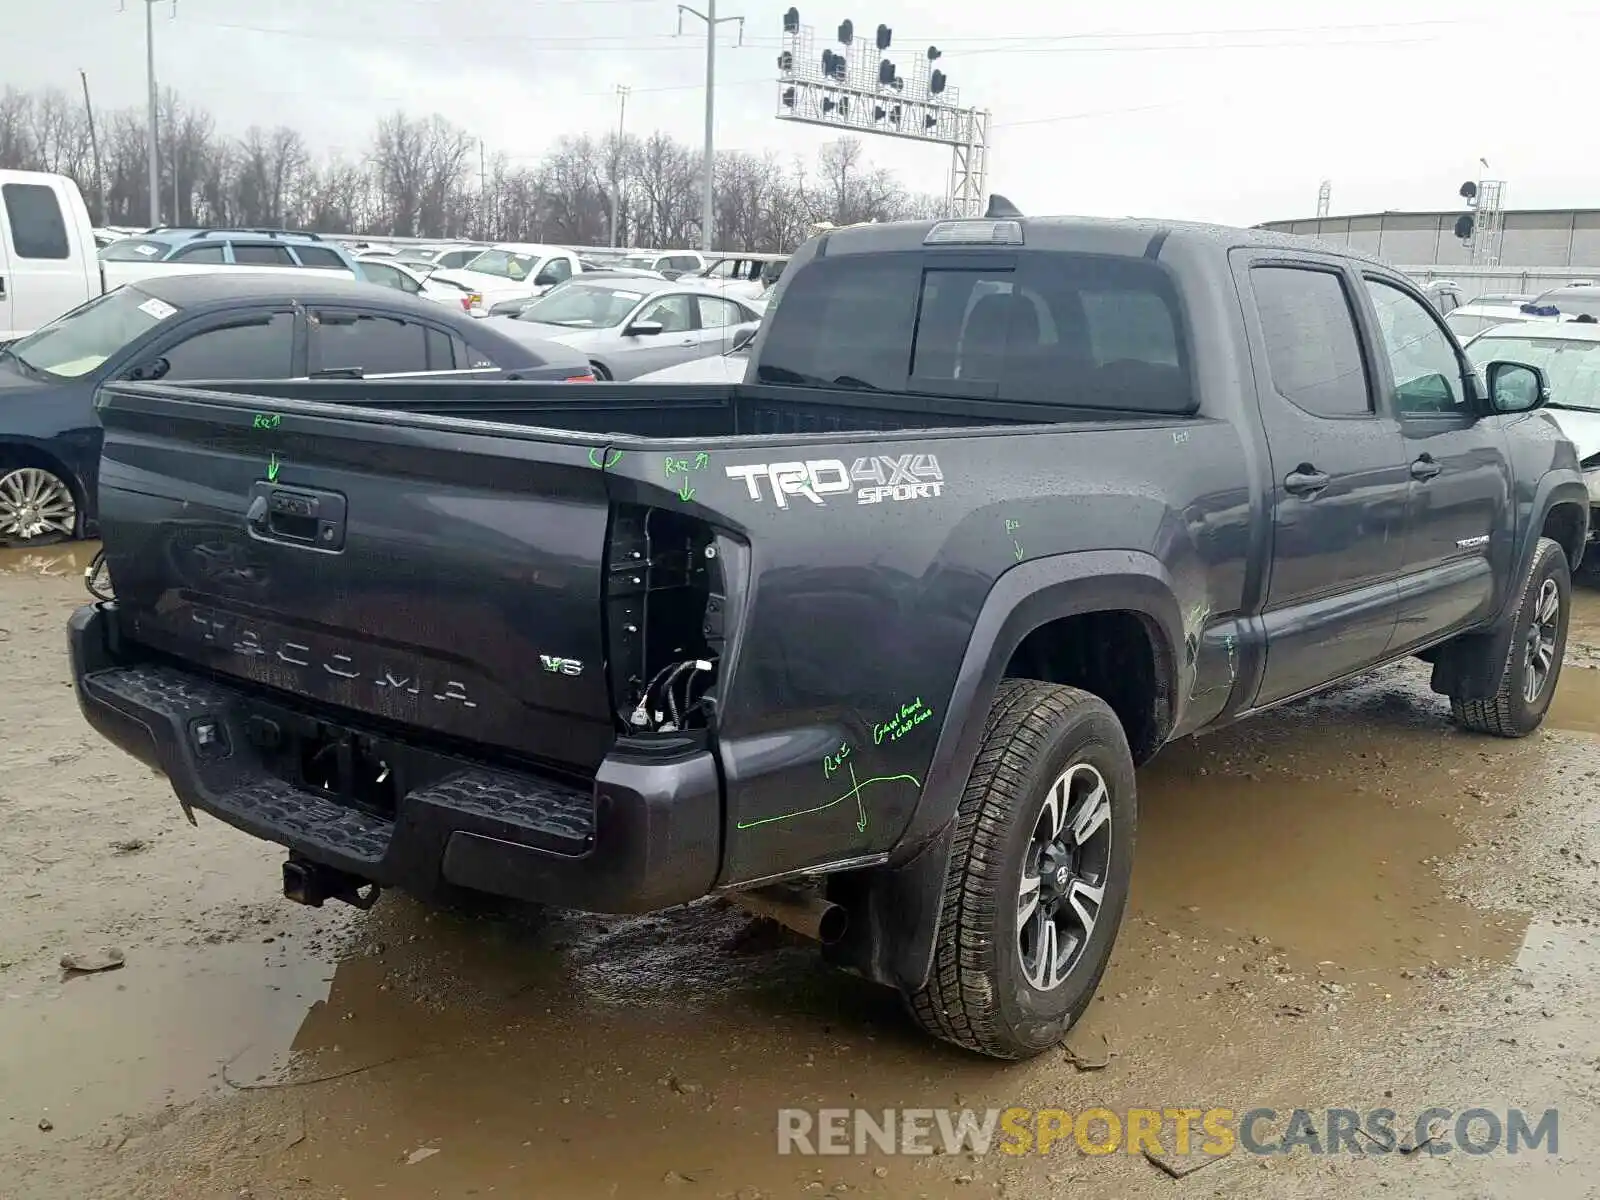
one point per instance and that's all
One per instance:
(1424, 467)
(2, 287)
(1305, 480)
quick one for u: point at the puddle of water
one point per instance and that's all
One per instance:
(67, 561)
(1576, 704)
(156, 1031)
(1322, 839)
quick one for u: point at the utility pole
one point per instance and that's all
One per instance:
(616, 167)
(707, 205)
(150, 72)
(94, 148)
(483, 190)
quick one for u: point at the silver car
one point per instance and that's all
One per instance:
(629, 327)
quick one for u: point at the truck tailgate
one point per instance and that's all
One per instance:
(439, 574)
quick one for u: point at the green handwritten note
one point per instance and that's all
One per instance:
(685, 467)
(612, 457)
(832, 762)
(1013, 531)
(901, 723)
(272, 469)
(267, 421)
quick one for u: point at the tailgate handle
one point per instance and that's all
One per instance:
(308, 517)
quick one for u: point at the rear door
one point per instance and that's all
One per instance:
(1340, 485)
(45, 274)
(719, 319)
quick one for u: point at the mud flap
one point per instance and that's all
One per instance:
(894, 916)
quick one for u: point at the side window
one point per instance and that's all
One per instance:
(557, 270)
(199, 254)
(724, 269)
(320, 257)
(717, 313)
(262, 348)
(38, 229)
(441, 351)
(373, 345)
(672, 312)
(1313, 351)
(684, 262)
(382, 274)
(261, 255)
(1422, 358)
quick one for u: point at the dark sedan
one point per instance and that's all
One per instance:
(240, 325)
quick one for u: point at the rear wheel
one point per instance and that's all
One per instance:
(600, 373)
(1038, 876)
(37, 507)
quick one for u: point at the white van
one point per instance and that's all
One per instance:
(49, 262)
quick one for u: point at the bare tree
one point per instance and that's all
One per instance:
(418, 179)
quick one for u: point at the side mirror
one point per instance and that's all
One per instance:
(671, 273)
(1516, 387)
(644, 329)
(546, 279)
(742, 337)
(149, 372)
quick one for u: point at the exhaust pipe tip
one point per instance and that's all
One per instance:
(807, 913)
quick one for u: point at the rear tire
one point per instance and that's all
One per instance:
(1044, 837)
(1532, 667)
(600, 373)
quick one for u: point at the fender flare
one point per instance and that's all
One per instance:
(896, 907)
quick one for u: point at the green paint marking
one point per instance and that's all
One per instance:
(854, 792)
(613, 457)
(267, 421)
(1017, 547)
(272, 469)
(685, 492)
(1011, 529)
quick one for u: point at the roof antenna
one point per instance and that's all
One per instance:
(999, 206)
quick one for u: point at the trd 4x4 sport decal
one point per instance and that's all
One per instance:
(874, 480)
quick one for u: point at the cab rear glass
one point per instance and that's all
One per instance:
(1039, 327)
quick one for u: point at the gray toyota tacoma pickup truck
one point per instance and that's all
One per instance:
(872, 641)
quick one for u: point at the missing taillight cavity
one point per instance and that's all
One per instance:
(663, 579)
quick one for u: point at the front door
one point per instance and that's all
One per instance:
(1457, 536)
(1339, 479)
(678, 341)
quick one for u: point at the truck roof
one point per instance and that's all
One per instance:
(1131, 236)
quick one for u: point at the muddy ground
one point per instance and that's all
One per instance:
(1345, 904)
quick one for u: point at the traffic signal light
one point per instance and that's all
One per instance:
(936, 82)
(886, 73)
(847, 32)
(788, 97)
(785, 62)
(884, 34)
(791, 21)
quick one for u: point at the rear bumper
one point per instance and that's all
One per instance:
(647, 835)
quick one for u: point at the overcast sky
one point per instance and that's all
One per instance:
(1233, 110)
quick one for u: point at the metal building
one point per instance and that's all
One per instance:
(1537, 248)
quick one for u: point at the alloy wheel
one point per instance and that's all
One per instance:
(36, 505)
(1064, 873)
(1541, 642)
